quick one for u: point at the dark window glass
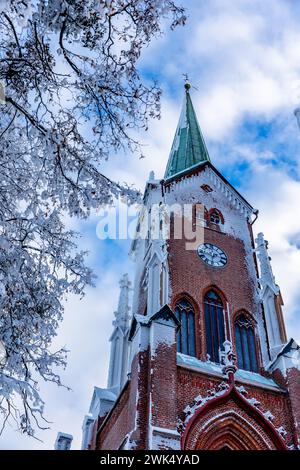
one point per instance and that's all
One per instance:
(186, 343)
(215, 218)
(245, 344)
(191, 330)
(214, 325)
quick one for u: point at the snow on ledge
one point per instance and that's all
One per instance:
(172, 432)
(211, 368)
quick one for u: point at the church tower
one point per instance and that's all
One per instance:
(204, 361)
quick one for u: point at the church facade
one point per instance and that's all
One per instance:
(200, 360)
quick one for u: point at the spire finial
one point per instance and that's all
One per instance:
(187, 84)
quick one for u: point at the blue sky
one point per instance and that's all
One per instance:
(243, 58)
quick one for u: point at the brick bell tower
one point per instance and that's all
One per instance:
(202, 360)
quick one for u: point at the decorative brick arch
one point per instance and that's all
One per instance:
(216, 211)
(228, 427)
(247, 314)
(218, 291)
(189, 298)
(230, 421)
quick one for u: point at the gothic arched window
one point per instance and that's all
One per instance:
(214, 325)
(186, 334)
(215, 218)
(245, 343)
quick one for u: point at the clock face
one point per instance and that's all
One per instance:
(212, 255)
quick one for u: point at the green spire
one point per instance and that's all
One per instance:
(188, 149)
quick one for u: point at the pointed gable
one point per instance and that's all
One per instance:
(188, 149)
(165, 313)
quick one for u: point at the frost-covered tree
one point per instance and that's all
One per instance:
(73, 97)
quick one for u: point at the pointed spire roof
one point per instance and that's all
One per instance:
(188, 149)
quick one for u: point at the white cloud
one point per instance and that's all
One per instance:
(278, 196)
(241, 55)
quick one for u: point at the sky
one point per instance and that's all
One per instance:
(243, 61)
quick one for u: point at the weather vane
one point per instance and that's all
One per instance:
(187, 85)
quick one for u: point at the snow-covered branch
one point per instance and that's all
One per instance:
(74, 97)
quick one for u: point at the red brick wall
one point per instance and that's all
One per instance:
(293, 383)
(119, 424)
(163, 387)
(173, 388)
(140, 377)
(190, 275)
(189, 384)
(121, 420)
